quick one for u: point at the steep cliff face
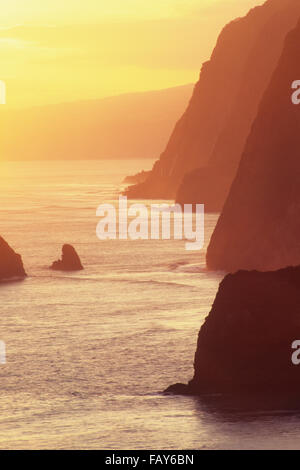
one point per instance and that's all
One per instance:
(260, 224)
(210, 185)
(222, 79)
(11, 265)
(245, 344)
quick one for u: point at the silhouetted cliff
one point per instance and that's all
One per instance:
(245, 344)
(215, 125)
(210, 185)
(11, 265)
(260, 224)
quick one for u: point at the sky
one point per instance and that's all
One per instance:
(67, 50)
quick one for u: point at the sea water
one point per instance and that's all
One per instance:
(89, 353)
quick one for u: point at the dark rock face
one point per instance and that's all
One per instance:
(216, 123)
(11, 265)
(210, 185)
(260, 223)
(245, 344)
(70, 260)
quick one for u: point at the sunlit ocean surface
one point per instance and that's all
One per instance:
(89, 353)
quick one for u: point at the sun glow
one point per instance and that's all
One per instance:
(55, 51)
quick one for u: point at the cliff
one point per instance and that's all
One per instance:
(259, 226)
(210, 185)
(230, 83)
(245, 344)
(11, 265)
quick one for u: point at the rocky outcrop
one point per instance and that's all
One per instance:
(11, 265)
(245, 344)
(140, 177)
(210, 185)
(215, 125)
(70, 260)
(260, 224)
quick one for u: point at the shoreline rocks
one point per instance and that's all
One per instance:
(138, 178)
(11, 264)
(69, 261)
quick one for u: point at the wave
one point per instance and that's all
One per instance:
(67, 207)
(154, 282)
(174, 266)
(111, 279)
(195, 268)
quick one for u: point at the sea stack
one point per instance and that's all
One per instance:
(259, 226)
(246, 343)
(212, 132)
(69, 261)
(11, 265)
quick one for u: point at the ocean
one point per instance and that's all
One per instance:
(89, 353)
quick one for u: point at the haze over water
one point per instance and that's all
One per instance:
(89, 353)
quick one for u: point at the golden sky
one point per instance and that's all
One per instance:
(66, 50)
